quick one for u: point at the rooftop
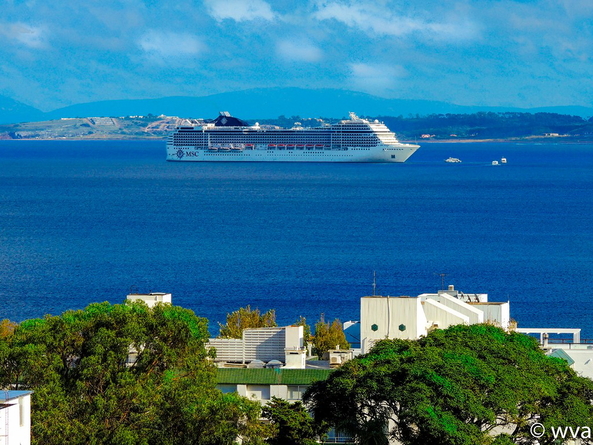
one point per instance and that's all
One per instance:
(278, 376)
(11, 395)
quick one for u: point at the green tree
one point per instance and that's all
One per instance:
(7, 327)
(328, 336)
(246, 318)
(293, 425)
(123, 374)
(465, 385)
(302, 321)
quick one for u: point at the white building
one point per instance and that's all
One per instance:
(263, 384)
(566, 343)
(15, 417)
(152, 298)
(280, 344)
(413, 317)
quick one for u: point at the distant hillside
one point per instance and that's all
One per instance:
(258, 104)
(265, 103)
(13, 111)
(475, 126)
(262, 103)
(92, 128)
(490, 125)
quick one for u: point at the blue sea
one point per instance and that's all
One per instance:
(90, 221)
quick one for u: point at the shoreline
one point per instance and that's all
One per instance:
(528, 140)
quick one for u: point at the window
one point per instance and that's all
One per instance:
(225, 389)
(296, 392)
(334, 436)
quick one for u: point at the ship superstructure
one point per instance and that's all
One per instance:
(228, 138)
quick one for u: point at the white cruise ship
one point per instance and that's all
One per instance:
(228, 138)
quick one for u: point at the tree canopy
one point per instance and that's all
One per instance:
(245, 318)
(465, 385)
(123, 374)
(328, 336)
(292, 424)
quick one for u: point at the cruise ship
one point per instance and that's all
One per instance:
(228, 138)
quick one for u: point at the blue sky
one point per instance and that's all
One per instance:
(525, 53)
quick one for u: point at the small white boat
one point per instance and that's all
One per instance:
(503, 160)
(453, 160)
(494, 162)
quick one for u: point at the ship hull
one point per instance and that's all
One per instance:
(380, 154)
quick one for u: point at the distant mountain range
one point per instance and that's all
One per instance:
(14, 111)
(262, 103)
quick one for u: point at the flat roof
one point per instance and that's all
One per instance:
(11, 395)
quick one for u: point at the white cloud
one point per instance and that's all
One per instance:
(300, 51)
(239, 10)
(377, 20)
(31, 36)
(170, 44)
(376, 78)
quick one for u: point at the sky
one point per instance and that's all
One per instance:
(522, 53)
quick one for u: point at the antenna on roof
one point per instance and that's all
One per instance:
(374, 283)
(443, 275)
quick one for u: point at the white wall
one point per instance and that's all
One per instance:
(582, 358)
(152, 298)
(390, 317)
(294, 337)
(15, 420)
(263, 344)
(441, 316)
(497, 313)
(264, 393)
(258, 392)
(474, 315)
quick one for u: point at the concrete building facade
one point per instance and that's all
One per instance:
(410, 318)
(15, 417)
(283, 344)
(152, 298)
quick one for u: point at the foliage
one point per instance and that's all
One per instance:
(465, 385)
(7, 327)
(478, 125)
(328, 336)
(292, 423)
(246, 318)
(123, 374)
(488, 124)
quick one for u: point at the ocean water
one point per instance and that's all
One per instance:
(90, 221)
